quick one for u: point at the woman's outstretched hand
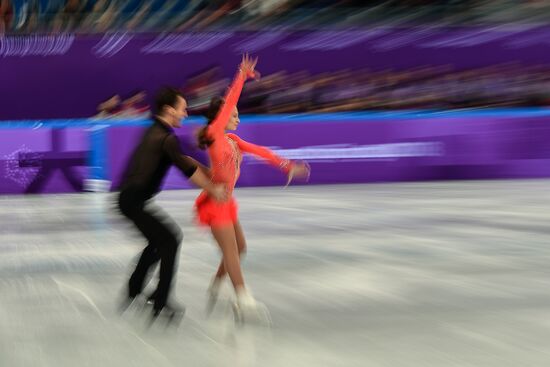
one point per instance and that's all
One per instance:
(248, 67)
(300, 170)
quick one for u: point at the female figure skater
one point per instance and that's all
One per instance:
(225, 153)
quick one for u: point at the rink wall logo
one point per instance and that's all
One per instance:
(13, 170)
(364, 152)
(35, 45)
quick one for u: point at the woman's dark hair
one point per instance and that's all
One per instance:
(212, 112)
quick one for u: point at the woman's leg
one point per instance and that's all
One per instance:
(227, 241)
(241, 246)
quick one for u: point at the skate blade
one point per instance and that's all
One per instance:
(131, 305)
(258, 316)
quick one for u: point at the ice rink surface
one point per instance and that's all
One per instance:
(436, 274)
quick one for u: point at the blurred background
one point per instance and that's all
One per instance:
(325, 65)
(316, 56)
(421, 238)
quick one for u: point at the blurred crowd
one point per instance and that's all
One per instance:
(439, 88)
(99, 16)
(133, 106)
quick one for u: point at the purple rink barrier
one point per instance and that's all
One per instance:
(357, 149)
(341, 148)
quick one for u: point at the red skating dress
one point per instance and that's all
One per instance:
(225, 162)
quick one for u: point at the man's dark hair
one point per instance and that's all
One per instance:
(166, 96)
